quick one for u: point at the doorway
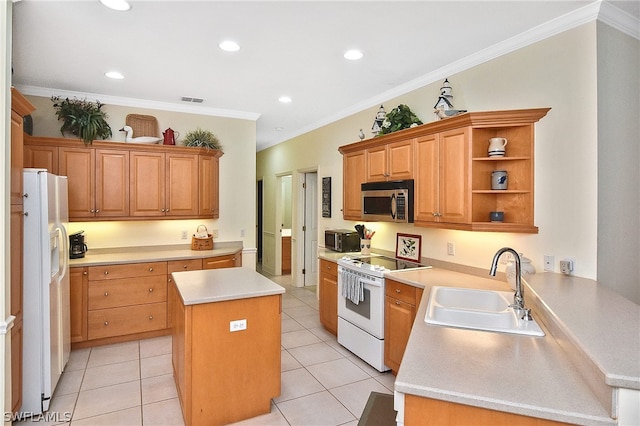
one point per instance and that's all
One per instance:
(308, 249)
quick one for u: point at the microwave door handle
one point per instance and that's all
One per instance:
(394, 207)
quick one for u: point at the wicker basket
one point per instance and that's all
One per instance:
(143, 125)
(202, 243)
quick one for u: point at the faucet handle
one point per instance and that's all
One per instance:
(526, 314)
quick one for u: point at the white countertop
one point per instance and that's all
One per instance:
(121, 255)
(218, 285)
(592, 345)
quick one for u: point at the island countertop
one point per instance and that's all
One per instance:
(218, 285)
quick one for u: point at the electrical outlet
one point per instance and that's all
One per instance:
(238, 325)
(185, 234)
(566, 266)
(451, 249)
(214, 233)
(242, 233)
(548, 263)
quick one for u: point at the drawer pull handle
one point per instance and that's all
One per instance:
(150, 290)
(185, 266)
(150, 269)
(397, 303)
(106, 293)
(397, 290)
(106, 272)
(150, 317)
(106, 323)
(84, 273)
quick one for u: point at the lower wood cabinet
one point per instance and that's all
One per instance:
(401, 303)
(113, 303)
(286, 255)
(227, 261)
(329, 295)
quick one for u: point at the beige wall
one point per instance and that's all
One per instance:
(559, 72)
(237, 179)
(618, 160)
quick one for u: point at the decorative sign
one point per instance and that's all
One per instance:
(326, 197)
(408, 247)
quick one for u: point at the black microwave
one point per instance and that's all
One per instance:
(388, 201)
(342, 240)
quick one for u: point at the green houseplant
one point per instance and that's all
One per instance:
(82, 118)
(202, 139)
(401, 117)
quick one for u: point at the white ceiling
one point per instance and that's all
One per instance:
(168, 49)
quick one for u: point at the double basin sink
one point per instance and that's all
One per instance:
(474, 309)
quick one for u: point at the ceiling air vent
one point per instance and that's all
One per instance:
(190, 99)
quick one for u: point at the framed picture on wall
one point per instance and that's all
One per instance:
(408, 247)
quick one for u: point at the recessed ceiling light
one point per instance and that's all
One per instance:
(353, 55)
(284, 99)
(229, 46)
(114, 74)
(119, 5)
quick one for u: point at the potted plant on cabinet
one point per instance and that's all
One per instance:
(401, 117)
(202, 139)
(82, 118)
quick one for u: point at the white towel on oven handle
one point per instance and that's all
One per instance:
(352, 286)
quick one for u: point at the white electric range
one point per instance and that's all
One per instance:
(361, 304)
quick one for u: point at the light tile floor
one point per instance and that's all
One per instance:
(132, 383)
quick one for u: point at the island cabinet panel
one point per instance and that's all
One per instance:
(431, 412)
(354, 175)
(329, 296)
(452, 170)
(226, 376)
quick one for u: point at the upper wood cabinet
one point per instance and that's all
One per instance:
(354, 175)
(120, 181)
(452, 170)
(392, 161)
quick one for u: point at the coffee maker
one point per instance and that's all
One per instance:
(77, 247)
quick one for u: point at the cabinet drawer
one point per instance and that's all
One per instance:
(109, 272)
(329, 268)
(227, 261)
(184, 265)
(127, 320)
(127, 291)
(400, 291)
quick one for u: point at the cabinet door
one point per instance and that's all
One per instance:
(17, 344)
(41, 157)
(399, 317)
(329, 295)
(147, 183)
(78, 164)
(112, 183)
(400, 160)
(354, 174)
(455, 191)
(209, 175)
(376, 159)
(17, 159)
(181, 185)
(427, 155)
(79, 280)
(17, 221)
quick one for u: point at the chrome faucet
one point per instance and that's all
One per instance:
(518, 297)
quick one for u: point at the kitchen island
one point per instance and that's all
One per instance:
(226, 344)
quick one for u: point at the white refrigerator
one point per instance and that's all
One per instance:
(46, 320)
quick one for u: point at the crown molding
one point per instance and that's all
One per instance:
(139, 103)
(598, 10)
